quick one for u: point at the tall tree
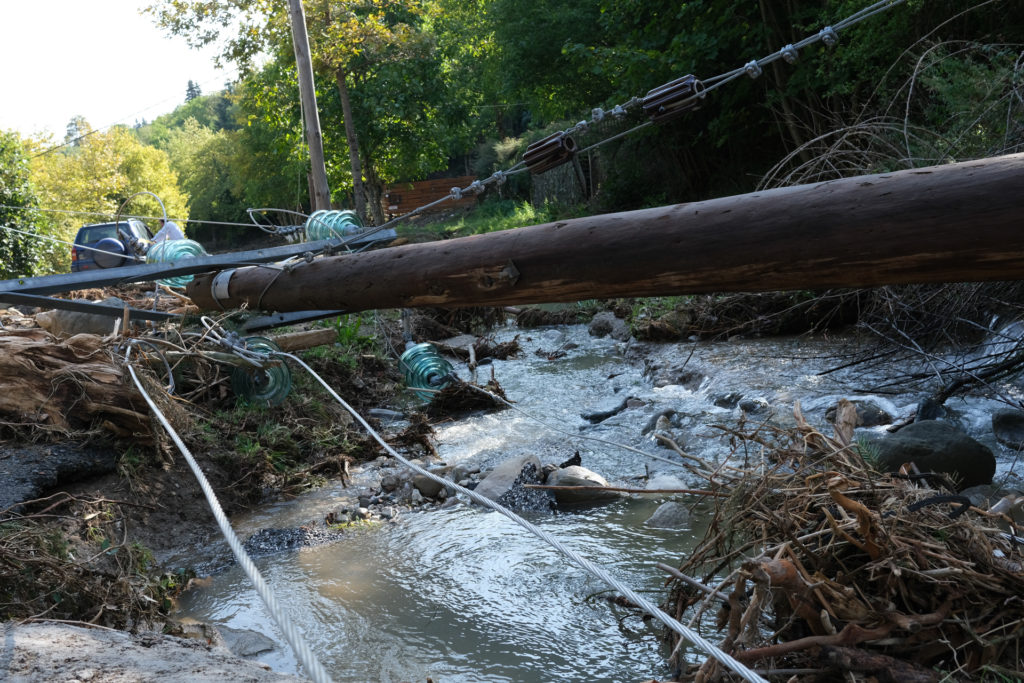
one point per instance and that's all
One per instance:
(355, 40)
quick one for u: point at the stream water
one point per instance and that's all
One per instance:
(463, 594)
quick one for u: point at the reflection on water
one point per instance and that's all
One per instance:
(463, 595)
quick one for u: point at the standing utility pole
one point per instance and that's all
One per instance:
(321, 193)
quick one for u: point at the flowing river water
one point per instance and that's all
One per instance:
(464, 594)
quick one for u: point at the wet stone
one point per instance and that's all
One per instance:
(1008, 426)
(753, 406)
(670, 515)
(592, 482)
(605, 324)
(603, 412)
(427, 486)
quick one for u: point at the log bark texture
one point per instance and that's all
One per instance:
(958, 222)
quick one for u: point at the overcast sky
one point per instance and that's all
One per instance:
(102, 60)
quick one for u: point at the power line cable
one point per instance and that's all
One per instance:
(590, 567)
(699, 90)
(70, 244)
(111, 215)
(302, 650)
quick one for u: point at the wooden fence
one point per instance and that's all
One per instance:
(401, 198)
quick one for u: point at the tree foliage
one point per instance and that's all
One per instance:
(20, 255)
(98, 176)
(437, 86)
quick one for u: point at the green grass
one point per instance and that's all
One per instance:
(502, 214)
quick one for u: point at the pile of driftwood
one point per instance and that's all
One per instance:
(819, 567)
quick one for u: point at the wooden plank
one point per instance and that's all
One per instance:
(401, 198)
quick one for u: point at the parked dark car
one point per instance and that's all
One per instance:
(116, 243)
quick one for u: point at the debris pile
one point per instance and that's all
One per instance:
(818, 565)
(66, 386)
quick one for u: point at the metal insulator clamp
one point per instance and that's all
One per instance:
(789, 54)
(753, 69)
(673, 99)
(828, 36)
(552, 151)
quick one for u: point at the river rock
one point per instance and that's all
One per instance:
(245, 643)
(727, 401)
(674, 374)
(65, 324)
(390, 482)
(605, 324)
(1008, 426)
(611, 408)
(580, 476)
(670, 515)
(427, 486)
(753, 406)
(936, 446)
(868, 414)
(501, 478)
(655, 420)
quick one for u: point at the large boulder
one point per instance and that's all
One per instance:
(502, 478)
(575, 475)
(938, 447)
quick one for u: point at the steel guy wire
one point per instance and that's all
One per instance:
(111, 215)
(590, 567)
(302, 650)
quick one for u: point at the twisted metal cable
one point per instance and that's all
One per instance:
(590, 567)
(302, 650)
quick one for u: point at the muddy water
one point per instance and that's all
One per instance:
(461, 594)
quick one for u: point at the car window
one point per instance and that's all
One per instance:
(94, 233)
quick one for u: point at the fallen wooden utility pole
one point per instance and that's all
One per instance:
(958, 222)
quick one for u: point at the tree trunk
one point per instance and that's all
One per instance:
(951, 223)
(374, 192)
(358, 191)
